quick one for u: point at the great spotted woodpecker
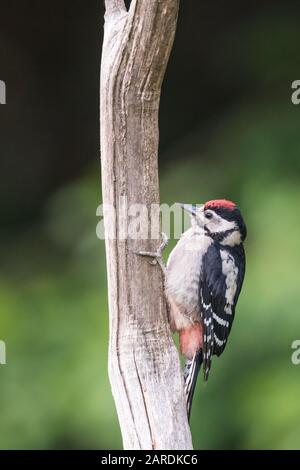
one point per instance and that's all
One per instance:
(203, 280)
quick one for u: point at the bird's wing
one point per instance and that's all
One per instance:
(221, 280)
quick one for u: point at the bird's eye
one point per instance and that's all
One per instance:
(208, 215)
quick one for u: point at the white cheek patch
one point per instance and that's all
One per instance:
(230, 271)
(217, 224)
(226, 225)
(232, 239)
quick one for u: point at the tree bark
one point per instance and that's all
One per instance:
(144, 366)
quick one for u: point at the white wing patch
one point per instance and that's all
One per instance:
(220, 320)
(207, 321)
(219, 342)
(230, 271)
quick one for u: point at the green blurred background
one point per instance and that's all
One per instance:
(228, 129)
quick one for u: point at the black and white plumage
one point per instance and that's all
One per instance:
(190, 374)
(204, 277)
(203, 280)
(221, 281)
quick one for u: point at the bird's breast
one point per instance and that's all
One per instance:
(183, 273)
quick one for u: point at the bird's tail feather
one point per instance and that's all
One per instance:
(190, 374)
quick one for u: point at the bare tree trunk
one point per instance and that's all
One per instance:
(144, 365)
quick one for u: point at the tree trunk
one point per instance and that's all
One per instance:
(144, 366)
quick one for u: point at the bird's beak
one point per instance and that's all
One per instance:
(188, 208)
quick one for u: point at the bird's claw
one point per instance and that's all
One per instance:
(157, 255)
(150, 254)
(154, 261)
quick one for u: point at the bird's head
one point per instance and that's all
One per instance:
(220, 219)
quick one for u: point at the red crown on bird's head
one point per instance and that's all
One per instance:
(220, 204)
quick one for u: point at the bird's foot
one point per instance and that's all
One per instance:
(156, 255)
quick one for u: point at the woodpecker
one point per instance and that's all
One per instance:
(203, 279)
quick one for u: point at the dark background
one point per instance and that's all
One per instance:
(228, 129)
